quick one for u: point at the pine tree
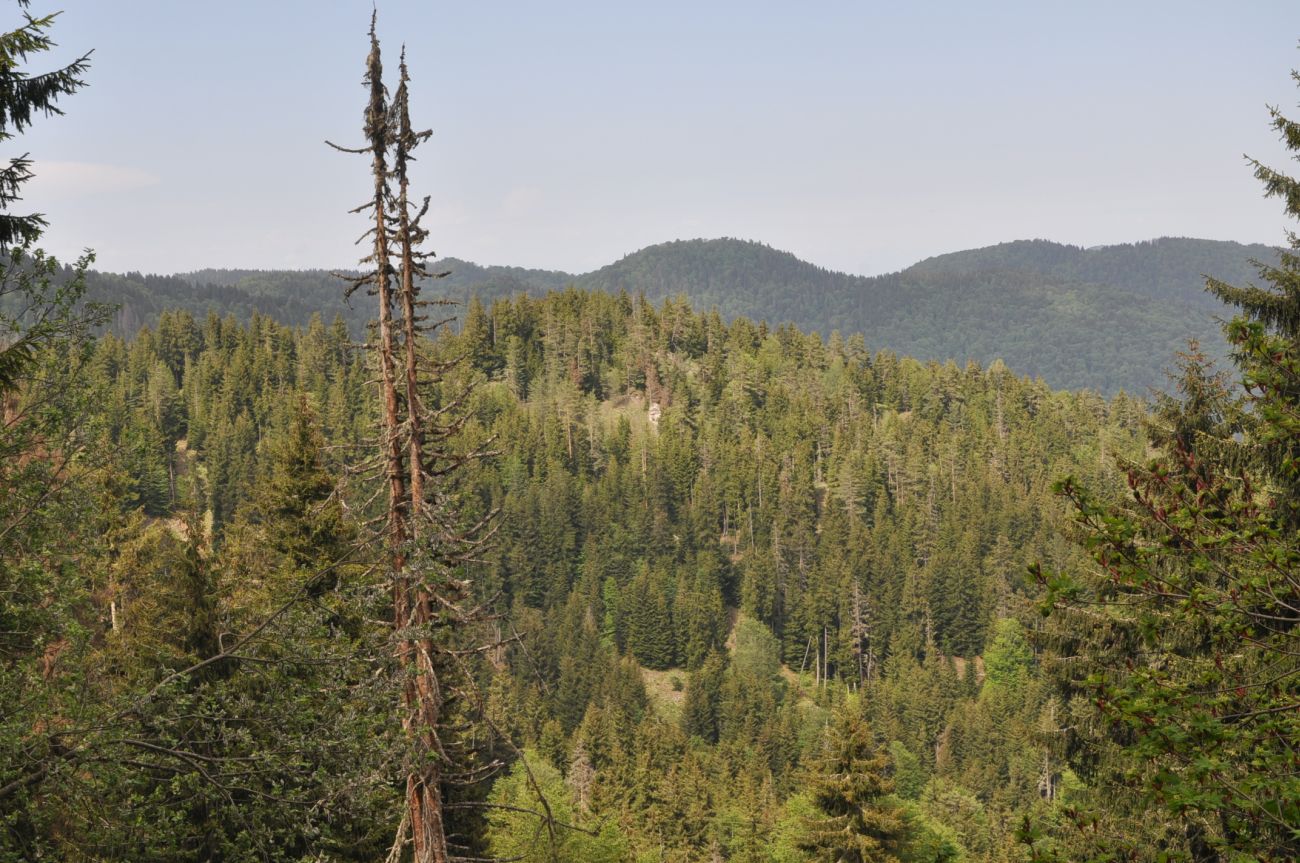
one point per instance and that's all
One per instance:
(703, 694)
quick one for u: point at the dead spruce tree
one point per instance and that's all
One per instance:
(426, 535)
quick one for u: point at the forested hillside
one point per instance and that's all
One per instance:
(1171, 268)
(712, 535)
(1108, 318)
(433, 562)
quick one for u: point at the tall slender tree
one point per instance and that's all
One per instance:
(424, 810)
(426, 536)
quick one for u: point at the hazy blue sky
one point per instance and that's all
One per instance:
(861, 136)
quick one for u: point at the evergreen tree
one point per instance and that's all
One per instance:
(703, 693)
(24, 95)
(297, 503)
(848, 783)
(1188, 658)
(647, 607)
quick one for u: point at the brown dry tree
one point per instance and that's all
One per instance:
(428, 539)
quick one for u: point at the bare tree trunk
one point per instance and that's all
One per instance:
(423, 798)
(377, 132)
(423, 541)
(423, 693)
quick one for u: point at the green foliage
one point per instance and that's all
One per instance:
(1008, 659)
(929, 840)
(647, 610)
(756, 655)
(702, 702)
(142, 662)
(791, 829)
(808, 492)
(544, 823)
(909, 774)
(854, 821)
(1182, 684)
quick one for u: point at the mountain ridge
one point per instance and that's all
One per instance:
(1105, 318)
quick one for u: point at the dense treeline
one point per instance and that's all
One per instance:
(1109, 318)
(723, 549)
(289, 297)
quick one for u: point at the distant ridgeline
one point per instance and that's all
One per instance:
(1106, 318)
(288, 296)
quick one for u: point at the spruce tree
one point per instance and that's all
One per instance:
(1183, 638)
(703, 696)
(847, 779)
(23, 96)
(1266, 338)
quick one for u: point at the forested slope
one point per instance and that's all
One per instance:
(1168, 268)
(723, 547)
(1108, 318)
(289, 296)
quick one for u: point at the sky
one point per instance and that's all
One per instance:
(862, 136)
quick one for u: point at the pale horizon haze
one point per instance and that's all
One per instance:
(860, 136)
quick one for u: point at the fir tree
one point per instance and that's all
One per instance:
(703, 694)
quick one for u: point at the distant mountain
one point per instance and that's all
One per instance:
(291, 296)
(461, 280)
(1106, 318)
(1168, 268)
(739, 277)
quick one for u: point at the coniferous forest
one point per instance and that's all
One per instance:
(1108, 319)
(581, 575)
